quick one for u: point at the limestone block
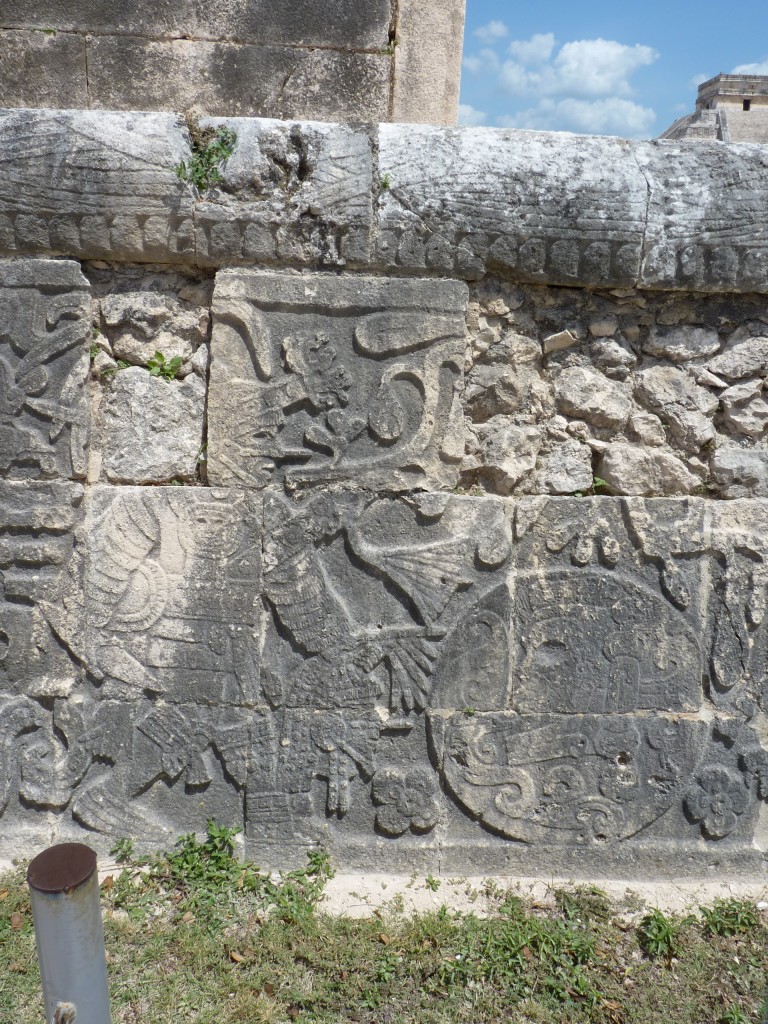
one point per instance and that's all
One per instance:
(631, 470)
(42, 69)
(745, 409)
(681, 343)
(587, 395)
(320, 380)
(173, 577)
(293, 193)
(236, 80)
(678, 400)
(152, 429)
(707, 229)
(528, 204)
(566, 469)
(43, 366)
(94, 184)
(362, 24)
(428, 61)
(740, 472)
(746, 357)
(139, 324)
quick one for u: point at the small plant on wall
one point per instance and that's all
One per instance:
(211, 147)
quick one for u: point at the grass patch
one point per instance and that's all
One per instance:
(197, 935)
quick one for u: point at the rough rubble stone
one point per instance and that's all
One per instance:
(745, 410)
(152, 429)
(744, 358)
(139, 324)
(589, 396)
(566, 469)
(681, 343)
(740, 472)
(506, 453)
(319, 381)
(44, 341)
(627, 469)
(680, 402)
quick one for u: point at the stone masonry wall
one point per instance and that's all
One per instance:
(444, 540)
(342, 60)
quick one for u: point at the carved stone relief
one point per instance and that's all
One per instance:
(44, 330)
(322, 381)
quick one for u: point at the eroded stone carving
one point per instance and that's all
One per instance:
(45, 326)
(327, 381)
(172, 582)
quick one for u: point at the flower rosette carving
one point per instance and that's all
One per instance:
(405, 801)
(717, 801)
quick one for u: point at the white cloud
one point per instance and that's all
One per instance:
(697, 80)
(584, 67)
(609, 116)
(486, 61)
(760, 68)
(469, 116)
(535, 50)
(491, 32)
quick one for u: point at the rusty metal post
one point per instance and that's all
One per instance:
(64, 892)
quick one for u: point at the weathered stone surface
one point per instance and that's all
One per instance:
(480, 199)
(679, 401)
(745, 409)
(681, 343)
(99, 185)
(740, 472)
(318, 381)
(170, 593)
(427, 67)
(152, 429)
(588, 395)
(566, 469)
(706, 229)
(136, 325)
(291, 193)
(236, 80)
(342, 23)
(38, 522)
(42, 69)
(376, 605)
(743, 358)
(44, 337)
(631, 470)
(505, 453)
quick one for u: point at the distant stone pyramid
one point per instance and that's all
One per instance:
(729, 108)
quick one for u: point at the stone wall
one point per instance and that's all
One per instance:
(405, 493)
(342, 60)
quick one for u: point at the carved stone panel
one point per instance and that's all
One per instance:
(369, 600)
(608, 606)
(44, 332)
(563, 779)
(39, 579)
(321, 381)
(172, 594)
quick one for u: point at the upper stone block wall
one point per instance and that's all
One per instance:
(344, 60)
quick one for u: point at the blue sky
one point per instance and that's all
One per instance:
(602, 66)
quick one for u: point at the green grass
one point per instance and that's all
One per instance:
(195, 935)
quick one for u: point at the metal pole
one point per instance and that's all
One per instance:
(64, 892)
